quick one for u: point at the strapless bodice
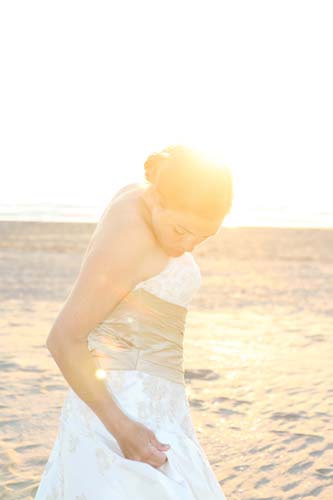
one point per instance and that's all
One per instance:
(145, 330)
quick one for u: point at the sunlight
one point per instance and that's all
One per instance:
(267, 116)
(100, 374)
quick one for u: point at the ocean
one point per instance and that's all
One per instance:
(251, 217)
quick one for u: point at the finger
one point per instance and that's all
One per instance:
(157, 464)
(163, 445)
(157, 457)
(159, 445)
(164, 461)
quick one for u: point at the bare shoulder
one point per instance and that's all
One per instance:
(127, 188)
(121, 252)
(123, 236)
(133, 188)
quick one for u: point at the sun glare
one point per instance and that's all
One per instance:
(260, 102)
(100, 374)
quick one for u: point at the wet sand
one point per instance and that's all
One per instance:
(258, 356)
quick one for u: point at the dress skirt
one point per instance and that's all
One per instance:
(86, 462)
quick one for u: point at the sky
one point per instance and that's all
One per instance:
(89, 89)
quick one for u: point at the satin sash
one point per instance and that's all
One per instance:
(143, 332)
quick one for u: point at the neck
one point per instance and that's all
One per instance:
(146, 205)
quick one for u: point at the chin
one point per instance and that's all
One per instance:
(177, 253)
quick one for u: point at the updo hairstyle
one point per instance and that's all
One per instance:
(189, 181)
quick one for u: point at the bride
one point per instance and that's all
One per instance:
(125, 430)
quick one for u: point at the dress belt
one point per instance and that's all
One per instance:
(143, 332)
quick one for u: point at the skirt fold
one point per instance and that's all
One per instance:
(87, 463)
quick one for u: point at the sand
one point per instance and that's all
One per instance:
(258, 356)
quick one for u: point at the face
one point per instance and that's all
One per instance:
(178, 232)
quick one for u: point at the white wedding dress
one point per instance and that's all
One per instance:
(140, 348)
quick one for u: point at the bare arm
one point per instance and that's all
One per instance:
(108, 273)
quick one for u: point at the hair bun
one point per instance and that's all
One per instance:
(150, 168)
(153, 165)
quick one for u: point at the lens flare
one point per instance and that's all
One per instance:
(100, 374)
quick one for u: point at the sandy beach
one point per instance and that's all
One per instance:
(258, 356)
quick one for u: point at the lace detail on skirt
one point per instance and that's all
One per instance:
(162, 403)
(86, 462)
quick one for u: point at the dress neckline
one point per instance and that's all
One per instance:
(170, 262)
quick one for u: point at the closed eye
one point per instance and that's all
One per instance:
(179, 232)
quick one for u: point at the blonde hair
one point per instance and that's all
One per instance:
(188, 180)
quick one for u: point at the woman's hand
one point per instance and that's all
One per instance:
(137, 442)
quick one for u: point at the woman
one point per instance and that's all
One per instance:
(125, 431)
